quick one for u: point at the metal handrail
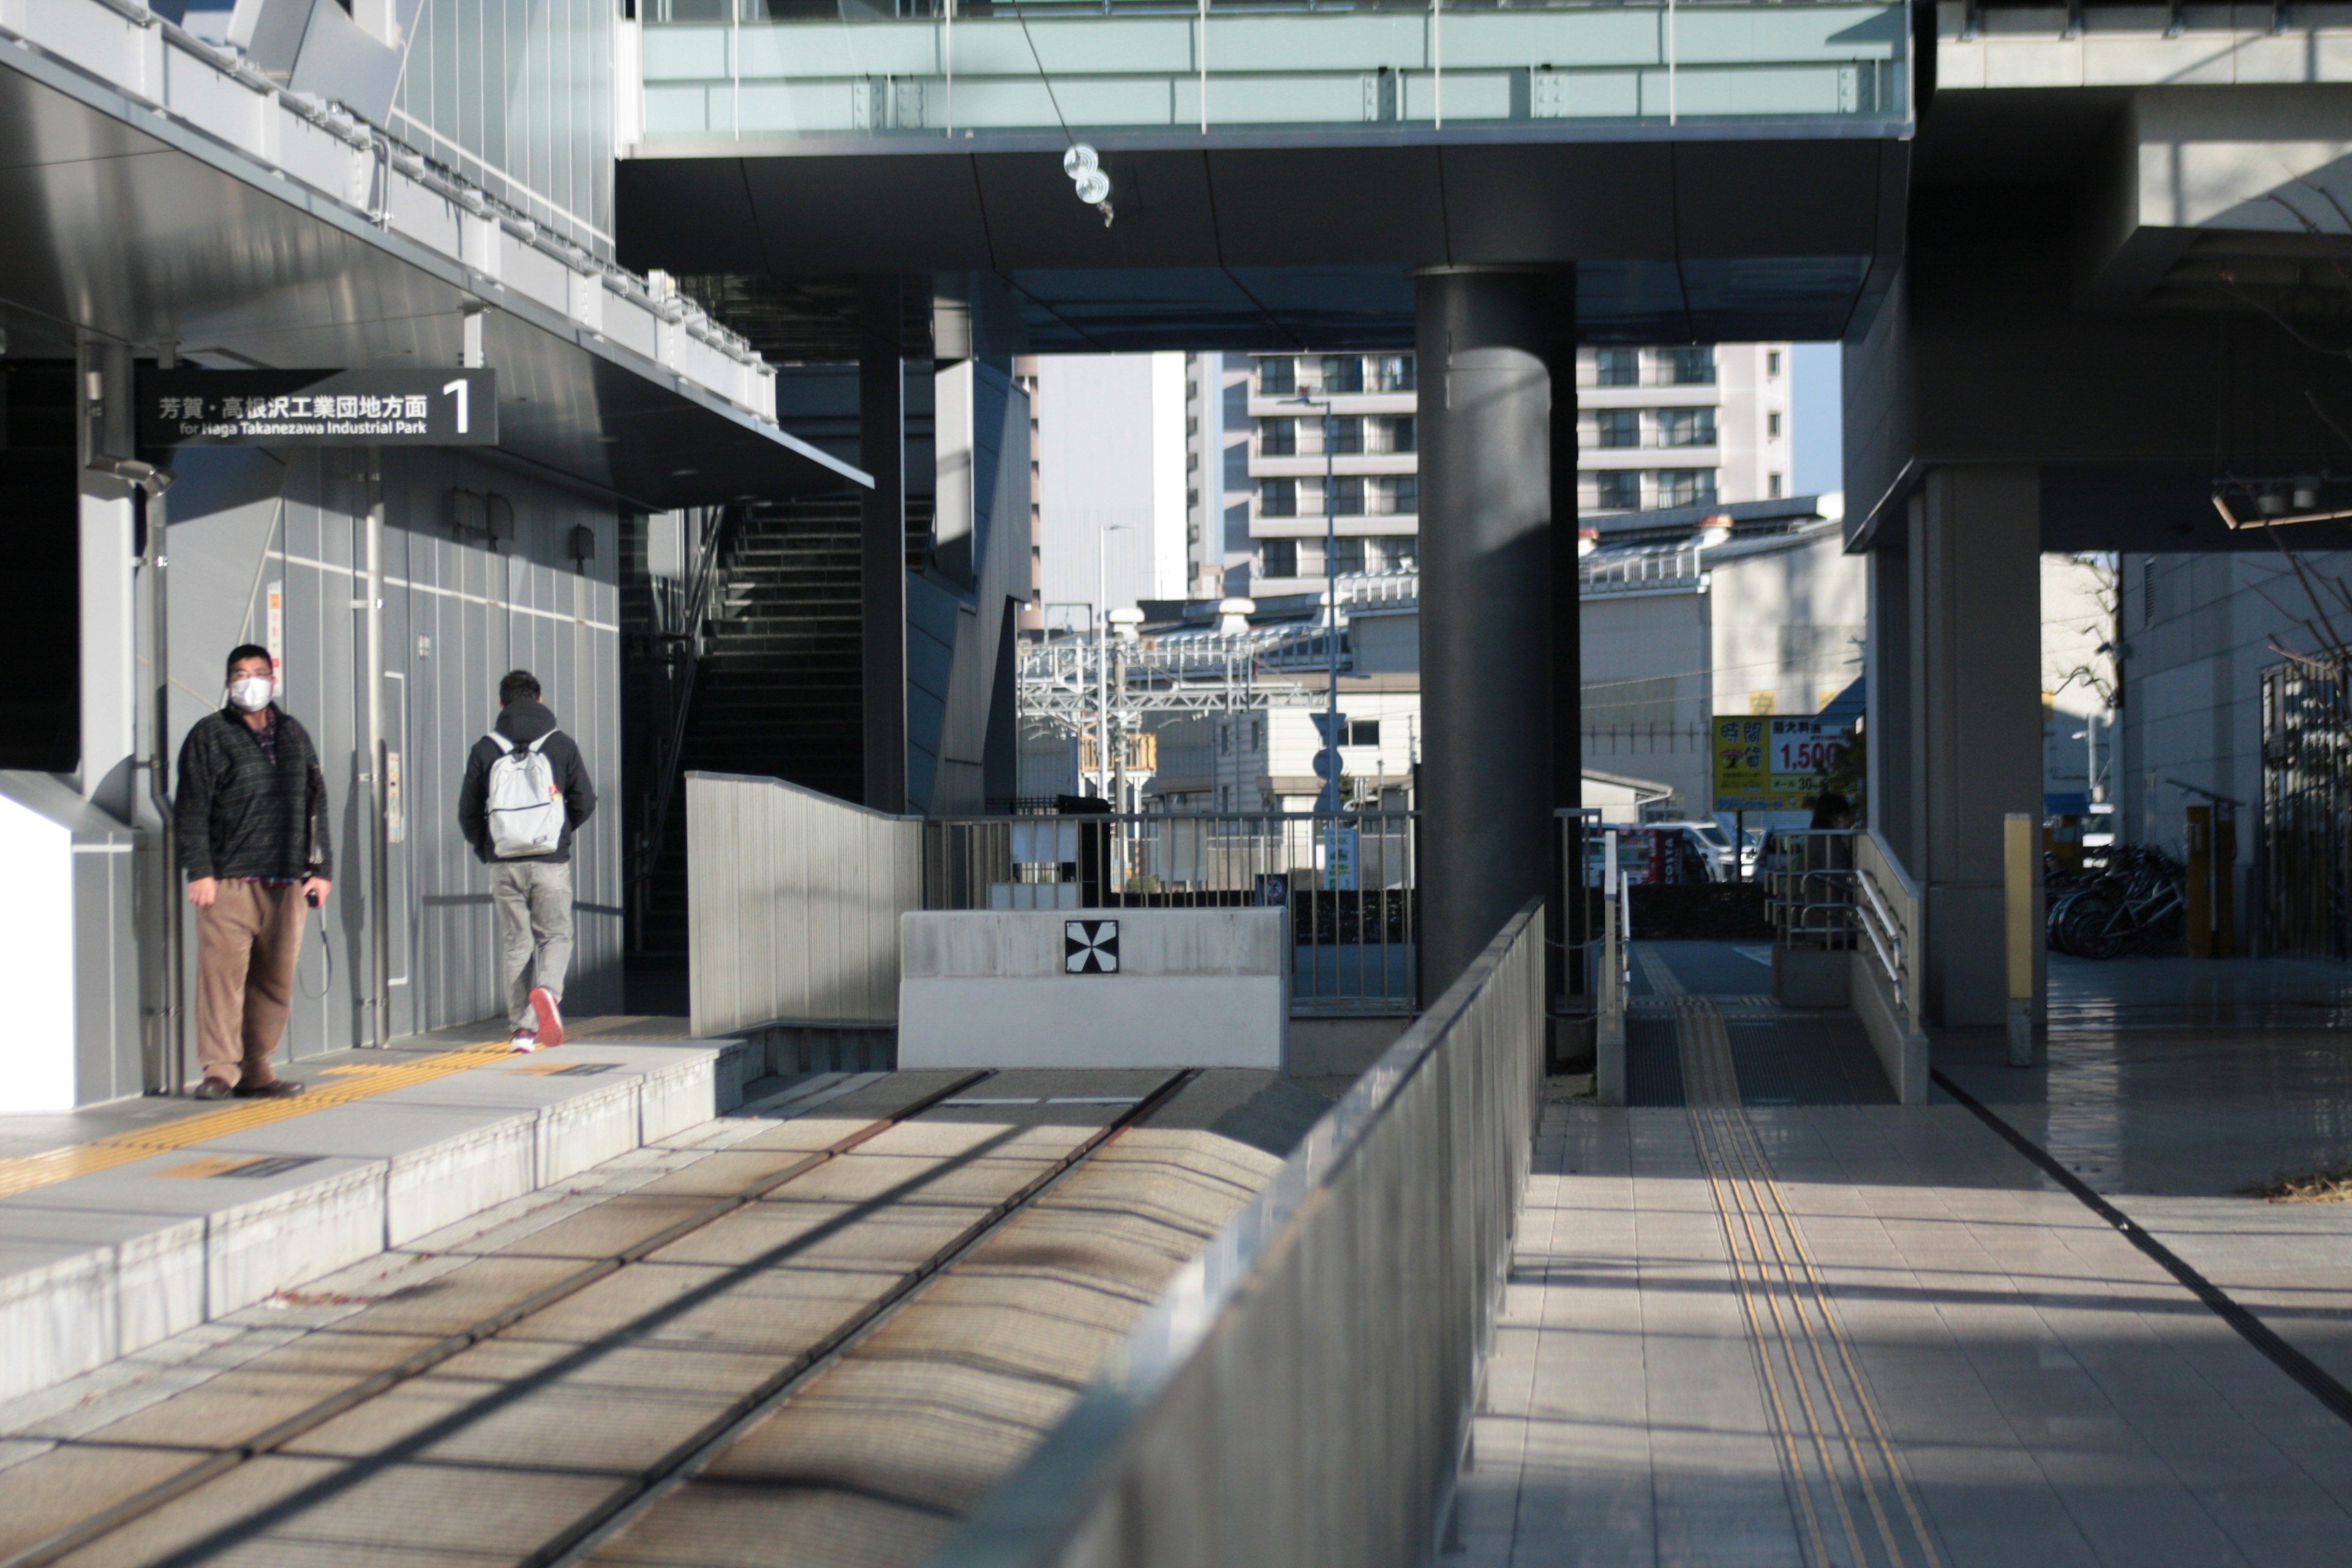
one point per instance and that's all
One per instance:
(1885, 933)
(1389, 1225)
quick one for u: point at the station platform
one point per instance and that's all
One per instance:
(122, 1227)
(814, 1329)
(1767, 1318)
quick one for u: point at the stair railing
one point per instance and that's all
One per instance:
(691, 602)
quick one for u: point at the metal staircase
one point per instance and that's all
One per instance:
(753, 667)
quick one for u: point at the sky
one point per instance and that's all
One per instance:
(1816, 428)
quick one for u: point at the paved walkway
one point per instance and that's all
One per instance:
(1868, 1334)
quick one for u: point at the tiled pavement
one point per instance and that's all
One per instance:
(1889, 1339)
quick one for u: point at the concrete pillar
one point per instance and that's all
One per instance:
(882, 452)
(1889, 737)
(1567, 914)
(1486, 587)
(1972, 738)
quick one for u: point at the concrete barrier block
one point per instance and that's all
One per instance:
(445, 1162)
(57, 1313)
(155, 1264)
(586, 1130)
(673, 1100)
(270, 1221)
(1105, 988)
(256, 1249)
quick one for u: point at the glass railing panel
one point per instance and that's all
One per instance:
(841, 69)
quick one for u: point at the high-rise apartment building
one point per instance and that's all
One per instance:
(1656, 427)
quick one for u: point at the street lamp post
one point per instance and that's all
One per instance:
(1328, 802)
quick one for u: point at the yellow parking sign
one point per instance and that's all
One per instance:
(1770, 763)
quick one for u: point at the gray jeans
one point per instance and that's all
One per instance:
(534, 905)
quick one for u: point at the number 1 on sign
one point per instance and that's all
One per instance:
(458, 388)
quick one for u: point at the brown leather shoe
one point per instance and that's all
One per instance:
(212, 1088)
(275, 1088)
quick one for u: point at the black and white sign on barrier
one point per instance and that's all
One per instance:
(402, 406)
(1090, 947)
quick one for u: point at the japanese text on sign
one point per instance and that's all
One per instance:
(1765, 764)
(318, 407)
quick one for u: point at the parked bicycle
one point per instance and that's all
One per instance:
(2138, 899)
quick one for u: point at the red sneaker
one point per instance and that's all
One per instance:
(550, 1017)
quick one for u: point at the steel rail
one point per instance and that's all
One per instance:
(684, 1460)
(141, 1503)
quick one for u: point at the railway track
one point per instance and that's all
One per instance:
(601, 1383)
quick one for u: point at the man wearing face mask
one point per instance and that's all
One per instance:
(252, 820)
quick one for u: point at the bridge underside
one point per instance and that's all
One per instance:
(1246, 248)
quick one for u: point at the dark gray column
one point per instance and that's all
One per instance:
(1975, 726)
(1892, 806)
(1487, 649)
(1567, 911)
(882, 452)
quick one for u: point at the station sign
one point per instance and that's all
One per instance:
(1768, 764)
(388, 406)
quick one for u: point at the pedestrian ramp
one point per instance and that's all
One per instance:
(1699, 1022)
(109, 1247)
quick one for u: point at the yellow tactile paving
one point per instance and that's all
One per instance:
(357, 1081)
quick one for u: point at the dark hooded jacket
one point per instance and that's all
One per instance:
(523, 722)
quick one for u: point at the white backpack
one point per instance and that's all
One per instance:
(526, 807)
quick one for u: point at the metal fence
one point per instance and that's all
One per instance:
(1299, 1395)
(1349, 881)
(1813, 898)
(793, 899)
(2307, 792)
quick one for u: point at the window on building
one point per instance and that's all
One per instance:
(1617, 367)
(1392, 373)
(1343, 373)
(1347, 437)
(1225, 738)
(1277, 437)
(1617, 490)
(1685, 426)
(1617, 428)
(1362, 732)
(1348, 495)
(1685, 487)
(1277, 377)
(1688, 367)
(1772, 425)
(1771, 487)
(1403, 434)
(1398, 552)
(1278, 558)
(1405, 494)
(1771, 362)
(1277, 497)
(1257, 733)
(1347, 557)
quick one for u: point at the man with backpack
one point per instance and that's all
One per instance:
(526, 789)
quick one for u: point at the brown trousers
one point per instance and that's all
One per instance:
(246, 947)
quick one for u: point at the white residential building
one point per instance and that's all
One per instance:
(1657, 429)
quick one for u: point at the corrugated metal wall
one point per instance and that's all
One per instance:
(459, 612)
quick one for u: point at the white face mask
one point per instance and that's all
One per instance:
(253, 693)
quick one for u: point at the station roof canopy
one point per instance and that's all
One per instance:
(129, 223)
